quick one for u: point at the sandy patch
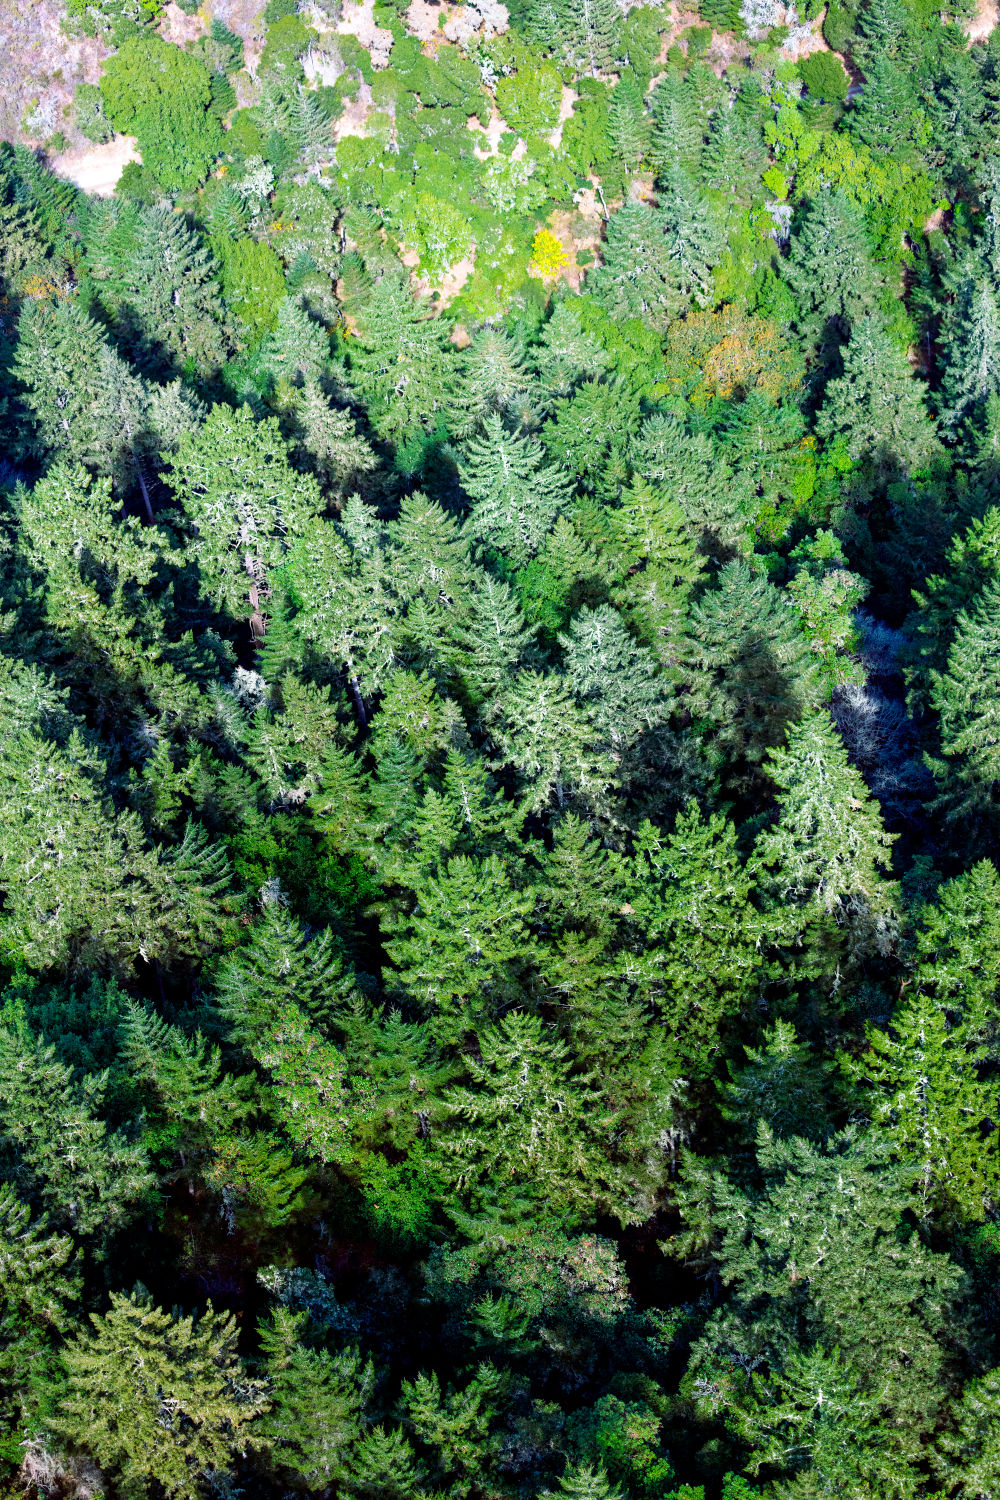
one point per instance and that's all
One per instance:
(359, 21)
(40, 67)
(456, 278)
(569, 98)
(354, 118)
(97, 169)
(179, 28)
(425, 18)
(983, 22)
(491, 133)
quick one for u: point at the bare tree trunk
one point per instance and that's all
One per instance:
(359, 702)
(145, 496)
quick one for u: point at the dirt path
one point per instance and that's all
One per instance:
(97, 169)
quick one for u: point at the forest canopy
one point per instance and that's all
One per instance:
(499, 681)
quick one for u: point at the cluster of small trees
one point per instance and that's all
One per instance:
(499, 927)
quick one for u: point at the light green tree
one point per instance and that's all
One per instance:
(244, 501)
(552, 744)
(90, 1179)
(158, 1399)
(689, 897)
(964, 696)
(316, 1400)
(528, 1136)
(516, 496)
(828, 852)
(458, 954)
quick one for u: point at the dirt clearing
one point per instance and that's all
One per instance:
(97, 169)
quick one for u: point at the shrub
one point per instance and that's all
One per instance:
(823, 75)
(91, 121)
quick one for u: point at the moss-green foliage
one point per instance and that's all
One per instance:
(288, 37)
(163, 96)
(824, 76)
(252, 281)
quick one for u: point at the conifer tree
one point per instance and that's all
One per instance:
(515, 495)
(39, 1288)
(971, 335)
(690, 470)
(828, 850)
(329, 438)
(821, 1259)
(628, 126)
(957, 947)
(158, 1399)
(694, 236)
(734, 156)
(243, 499)
(76, 880)
(525, 1131)
(970, 1451)
(876, 406)
(85, 402)
(296, 350)
(749, 668)
(656, 568)
(657, 261)
(454, 1424)
(282, 965)
(491, 380)
(552, 744)
(185, 1077)
(383, 1467)
(493, 646)
(566, 353)
(89, 1179)
(581, 881)
(613, 676)
(398, 363)
(689, 896)
(460, 951)
(433, 573)
(586, 1482)
(782, 1084)
(764, 443)
(677, 135)
(587, 32)
(341, 579)
(964, 695)
(159, 284)
(636, 276)
(930, 1095)
(830, 267)
(315, 1402)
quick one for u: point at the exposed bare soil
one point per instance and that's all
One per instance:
(96, 169)
(40, 68)
(984, 21)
